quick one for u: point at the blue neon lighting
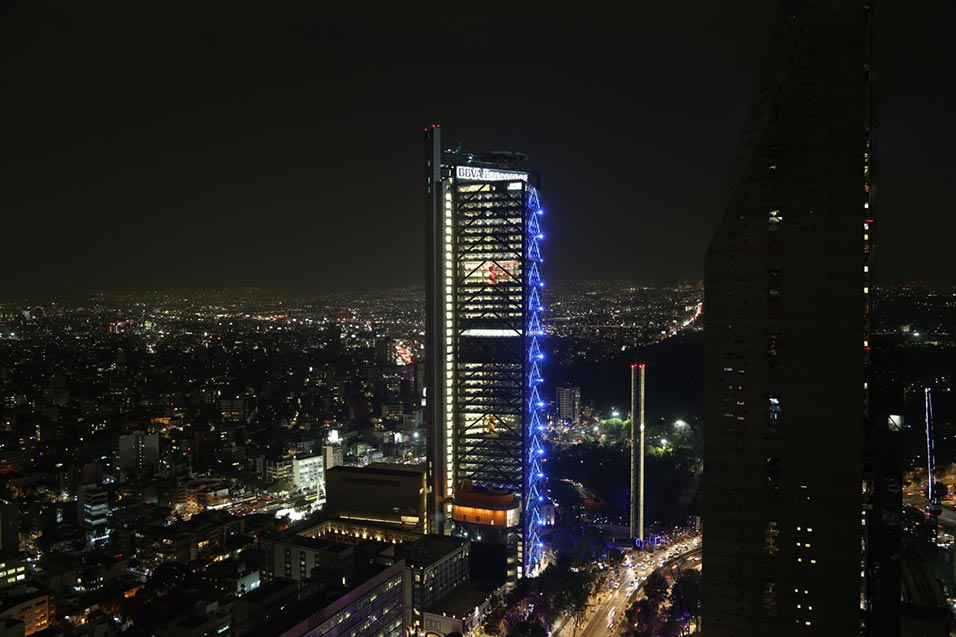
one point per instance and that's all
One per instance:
(533, 519)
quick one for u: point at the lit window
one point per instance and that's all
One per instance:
(773, 348)
(770, 538)
(774, 409)
(774, 219)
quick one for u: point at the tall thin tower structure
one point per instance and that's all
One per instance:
(483, 351)
(637, 451)
(786, 341)
(931, 493)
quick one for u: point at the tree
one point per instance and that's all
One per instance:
(281, 485)
(655, 588)
(646, 618)
(685, 599)
(494, 620)
(530, 627)
(615, 558)
(615, 430)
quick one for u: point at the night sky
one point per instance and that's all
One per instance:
(279, 144)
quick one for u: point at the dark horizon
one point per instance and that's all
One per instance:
(204, 146)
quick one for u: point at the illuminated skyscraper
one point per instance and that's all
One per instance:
(786, 475)
(569, 405)
(483, 407)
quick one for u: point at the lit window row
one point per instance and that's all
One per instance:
(449, 348)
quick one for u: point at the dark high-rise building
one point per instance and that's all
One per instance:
(483, 354)
(137, 450)
(786, 342)
(884, 469)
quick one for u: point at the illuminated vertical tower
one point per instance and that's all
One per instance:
(637, 452)
(786, 478)
(483, 358)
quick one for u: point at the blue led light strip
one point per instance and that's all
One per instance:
(535, 420)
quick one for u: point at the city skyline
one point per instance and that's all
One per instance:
(229, 405)
(148, 162)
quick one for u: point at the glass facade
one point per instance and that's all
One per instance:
(484, 324)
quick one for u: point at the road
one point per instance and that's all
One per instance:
(601, 622)
(947, 515)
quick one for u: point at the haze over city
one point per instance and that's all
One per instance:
(275, 144)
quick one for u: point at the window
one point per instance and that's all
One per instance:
(773, 284)
(773, 471)
(770, 598)
(773, 349)
(774, 218)
(773, 409)
(770, 538)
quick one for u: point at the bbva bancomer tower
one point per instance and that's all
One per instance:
(483, 356)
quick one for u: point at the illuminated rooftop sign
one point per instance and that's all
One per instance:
(474, 173)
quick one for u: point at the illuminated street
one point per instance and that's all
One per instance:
(607, 608)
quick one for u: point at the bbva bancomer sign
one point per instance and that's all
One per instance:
(474, 173)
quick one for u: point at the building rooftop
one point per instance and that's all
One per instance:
(484, 497)
(325, 604)
(387, 468)
(192, 621)
(313, 543)
(429, 550)
(398, 466)
(463, 600)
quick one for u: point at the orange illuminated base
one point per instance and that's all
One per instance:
(486, 506)
(486, 517)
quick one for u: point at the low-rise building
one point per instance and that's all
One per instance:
(13, 568)
(29, 604)
(295, 556)
(372, 607)
(436, 567)
(387, 493)
(207, 618)
(308, 474)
